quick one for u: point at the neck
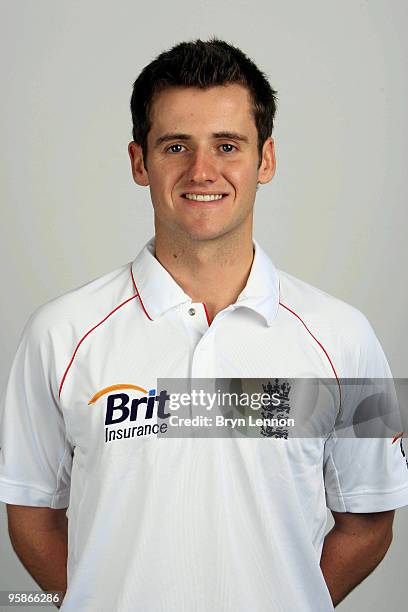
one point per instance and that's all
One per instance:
(210, 271)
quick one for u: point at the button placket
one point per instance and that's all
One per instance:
(203, 365)
(195, 318)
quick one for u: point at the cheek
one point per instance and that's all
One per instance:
(160, 183)
(162, 186)
(164, 178)
(243, 178)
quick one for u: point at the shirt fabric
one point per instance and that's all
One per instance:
(162, 525)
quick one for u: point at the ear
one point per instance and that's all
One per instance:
(267, 168)
(139, 171)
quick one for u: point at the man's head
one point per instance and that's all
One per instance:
(201, 64)
(202, 119)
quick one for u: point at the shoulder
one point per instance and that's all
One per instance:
(319, 307)
(342, 328)
(82, 307)
(55, 329)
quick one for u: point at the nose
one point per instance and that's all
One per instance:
(202, 168)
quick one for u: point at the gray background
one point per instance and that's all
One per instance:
(335, 215)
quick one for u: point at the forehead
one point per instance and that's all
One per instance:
(218, 108)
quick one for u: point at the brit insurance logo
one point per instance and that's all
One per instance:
(132, 411)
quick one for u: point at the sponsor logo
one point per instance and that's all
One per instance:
(140, 414)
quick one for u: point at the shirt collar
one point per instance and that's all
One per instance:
(159, 292)
(261, 292)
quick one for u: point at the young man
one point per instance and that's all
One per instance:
(206, 524)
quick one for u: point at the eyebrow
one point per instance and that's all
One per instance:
(180, 136)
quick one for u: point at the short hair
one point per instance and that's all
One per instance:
(202, 64)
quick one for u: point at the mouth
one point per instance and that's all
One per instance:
(204, 197)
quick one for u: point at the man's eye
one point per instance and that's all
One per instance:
(227, 148)
(176, 148)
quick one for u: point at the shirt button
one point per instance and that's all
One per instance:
(191, 312)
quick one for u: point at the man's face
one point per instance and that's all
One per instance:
(202, 161)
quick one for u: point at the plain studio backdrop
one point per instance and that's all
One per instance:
(335, 215)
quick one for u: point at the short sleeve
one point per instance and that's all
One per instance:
(35, 453)
(364, 474)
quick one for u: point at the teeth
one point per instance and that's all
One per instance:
(203, 198)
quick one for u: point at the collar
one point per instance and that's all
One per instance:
(158, 291)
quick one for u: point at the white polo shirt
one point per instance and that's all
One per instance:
(163, 525)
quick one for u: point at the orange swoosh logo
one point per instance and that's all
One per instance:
(114, 388)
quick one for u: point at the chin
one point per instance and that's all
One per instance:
(203, 235)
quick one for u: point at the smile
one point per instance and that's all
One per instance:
(203, 197)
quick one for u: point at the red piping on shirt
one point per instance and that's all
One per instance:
(397, 437)
(207, 315)
(319, 343)
(87, 334)
(138, 295)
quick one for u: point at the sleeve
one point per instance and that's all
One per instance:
(35, 453)
(364, 474)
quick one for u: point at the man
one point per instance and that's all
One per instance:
(208, 524)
